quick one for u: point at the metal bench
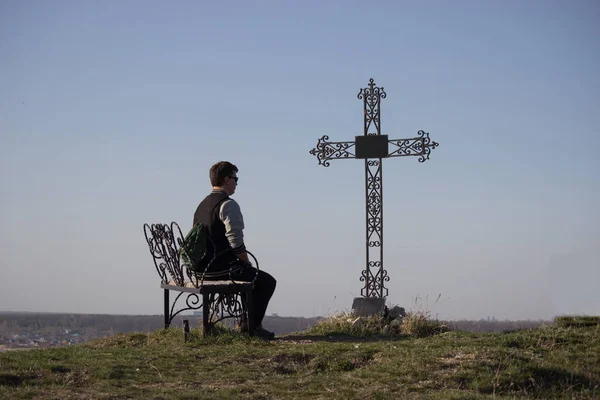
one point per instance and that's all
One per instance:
(222, 297)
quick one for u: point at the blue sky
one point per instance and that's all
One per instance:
(111, 114)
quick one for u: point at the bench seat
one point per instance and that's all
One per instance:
(209, 286)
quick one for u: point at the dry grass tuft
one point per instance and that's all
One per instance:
(415, 324)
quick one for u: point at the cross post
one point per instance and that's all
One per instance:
(373, 147)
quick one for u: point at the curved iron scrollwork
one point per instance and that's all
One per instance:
(192, 302)
(374, 281)
(417, 146)
(374, 209)
(162, 241)
(222, 306)
(371, 97)
(225, 306)
(325, 151)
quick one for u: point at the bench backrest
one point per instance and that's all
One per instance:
(164, 242)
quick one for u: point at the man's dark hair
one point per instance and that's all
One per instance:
(220, 171)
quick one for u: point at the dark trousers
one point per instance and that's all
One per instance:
(264, 287)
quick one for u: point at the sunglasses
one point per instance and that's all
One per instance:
(235, 178)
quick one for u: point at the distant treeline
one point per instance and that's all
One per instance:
(105, 324)
(495, 325)
(78, 322)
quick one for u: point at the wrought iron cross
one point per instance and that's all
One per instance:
(373, 147)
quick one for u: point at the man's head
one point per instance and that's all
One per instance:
(223, 175)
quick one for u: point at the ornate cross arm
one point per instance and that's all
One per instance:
(326, 151)
(417, 146)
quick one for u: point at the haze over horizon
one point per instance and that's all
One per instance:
(112, 113)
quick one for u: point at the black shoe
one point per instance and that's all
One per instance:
(259, 331)
(263, 333)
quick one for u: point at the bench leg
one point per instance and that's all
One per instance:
(250, 311)
(167, 322)
(186, 330)
(205, 313)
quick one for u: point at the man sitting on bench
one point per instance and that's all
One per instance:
(224, 218)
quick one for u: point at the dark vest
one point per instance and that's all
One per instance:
(208, 213)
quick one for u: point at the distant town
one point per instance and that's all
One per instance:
(28, 339)
(40, 330)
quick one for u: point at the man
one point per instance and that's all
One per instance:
(224, 218)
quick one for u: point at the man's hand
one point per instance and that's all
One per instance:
(244, 257)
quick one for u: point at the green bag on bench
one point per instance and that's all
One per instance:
(197, 249)
(194, 250)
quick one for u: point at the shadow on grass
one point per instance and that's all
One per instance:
(544, 381)
(16, 380)
(339, 338)
(546, 378)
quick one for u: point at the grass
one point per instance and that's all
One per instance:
(333, 360)
(414, 324)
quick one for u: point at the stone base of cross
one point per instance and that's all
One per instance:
(373, 147)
